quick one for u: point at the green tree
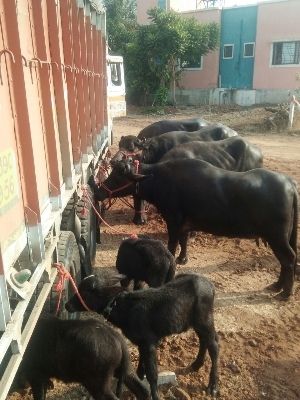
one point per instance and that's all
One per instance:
(121, 24)
(151, 52)
(159, 46)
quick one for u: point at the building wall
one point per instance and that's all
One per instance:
(244, 81)
(207, 77)
(142, 6)
(238, 26)
(276, 21)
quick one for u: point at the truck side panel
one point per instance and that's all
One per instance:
(54, 128)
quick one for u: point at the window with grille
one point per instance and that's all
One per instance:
(248, 50)
(228, 51)
(285, 53)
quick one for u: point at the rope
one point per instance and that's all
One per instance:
(110, 193)
(86, 193)
(63, 276)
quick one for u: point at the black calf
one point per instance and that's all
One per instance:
(145, 259)
(88, 352)
(146, 316)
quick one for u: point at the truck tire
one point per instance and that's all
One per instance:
(88, 219)
(70, 220)
(68, 217)
(68, 255)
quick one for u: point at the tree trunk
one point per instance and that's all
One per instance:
(173, 89)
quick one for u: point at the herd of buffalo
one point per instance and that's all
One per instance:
(200, 177)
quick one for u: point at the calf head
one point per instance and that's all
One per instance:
(94, 294)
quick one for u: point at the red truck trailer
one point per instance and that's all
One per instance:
(54, 129)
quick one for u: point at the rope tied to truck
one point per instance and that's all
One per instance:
(91, 202)
(63, 276)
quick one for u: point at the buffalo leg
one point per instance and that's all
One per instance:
(39, 389)
(182, 258)
(149, 356)
(287, 258)
(173, 238)
(139, 211)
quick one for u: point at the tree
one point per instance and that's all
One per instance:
(151, 52)
(159, 46)
(121, 24)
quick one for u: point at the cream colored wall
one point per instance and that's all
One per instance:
(276, 21)
(207, 77)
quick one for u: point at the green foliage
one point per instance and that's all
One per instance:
(151, 52)
(161, 96)
(121, 24)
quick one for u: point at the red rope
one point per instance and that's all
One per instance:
(86, 193)
(63, 276)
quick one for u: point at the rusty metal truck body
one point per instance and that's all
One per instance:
(54, 128)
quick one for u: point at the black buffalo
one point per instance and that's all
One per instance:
(89, 352)
(133, 144)
(146, 316)
(168, 125)
(143, 259)
(210, 150)
(193, 195)
(233, 154)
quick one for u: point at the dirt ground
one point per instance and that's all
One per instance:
(259, 336)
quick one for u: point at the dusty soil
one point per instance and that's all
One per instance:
(259, 335)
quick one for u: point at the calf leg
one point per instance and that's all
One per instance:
(213, 350)
(139, 211)
(208, 340)
(101, 389)
(141, 367)
(149, 357)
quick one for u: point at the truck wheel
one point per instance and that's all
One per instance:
(88, 233)
(68, 255)
(70, 220)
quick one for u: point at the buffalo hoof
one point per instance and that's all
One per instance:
(139, 220)
(274, 287)
(297, 271)
(181, 260)
(283, 296)
(212, 391)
